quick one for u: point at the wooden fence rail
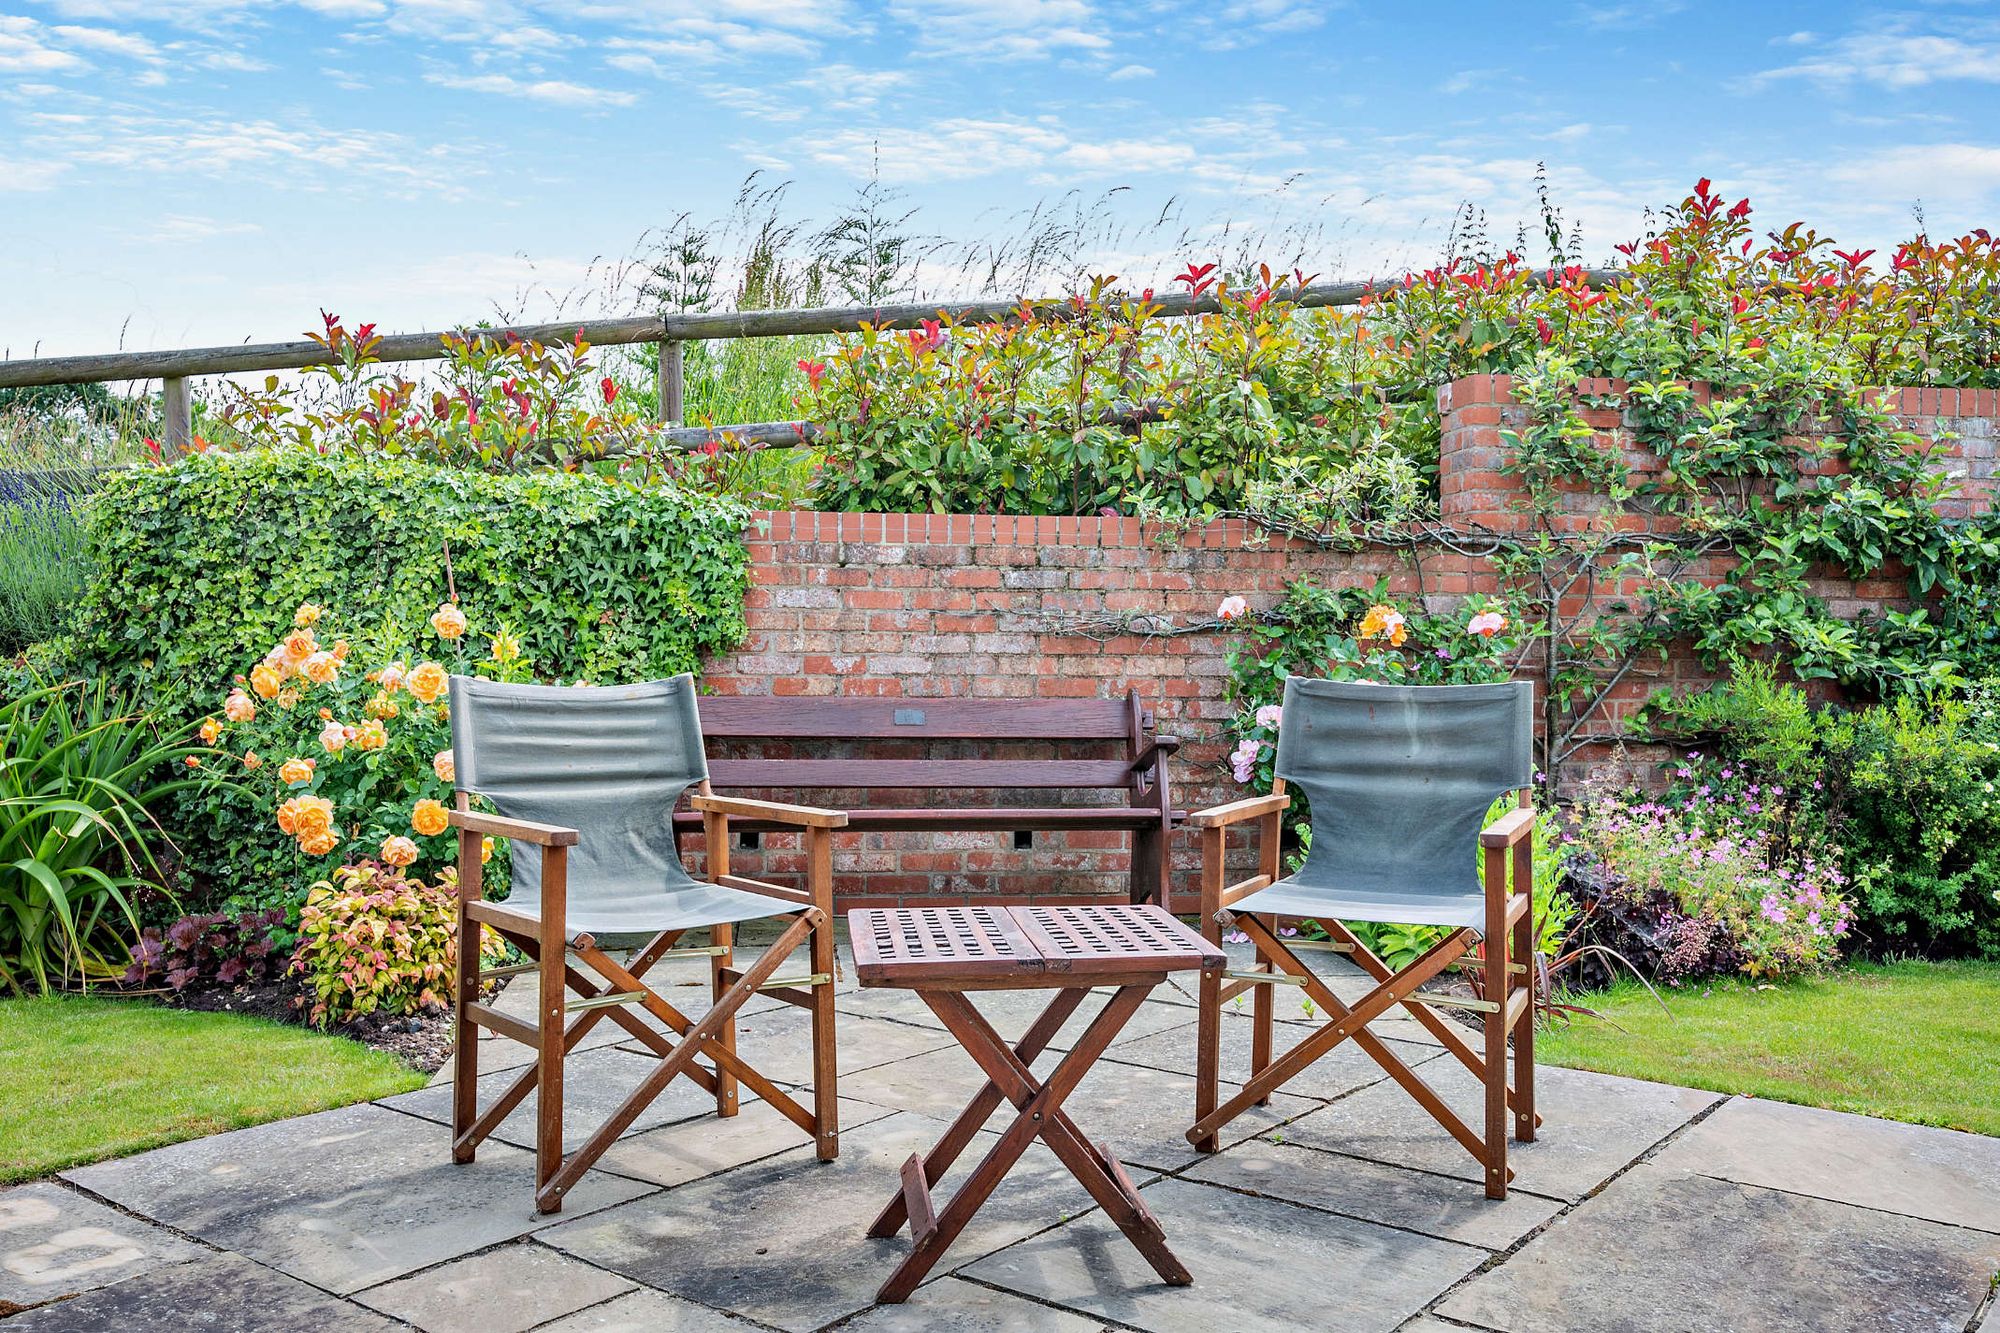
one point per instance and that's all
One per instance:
(173, 368)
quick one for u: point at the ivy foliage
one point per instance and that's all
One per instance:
(201, 565)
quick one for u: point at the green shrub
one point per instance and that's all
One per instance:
(202, 565)
(373, 941)
(80, 776)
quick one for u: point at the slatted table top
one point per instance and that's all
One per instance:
(990, 948)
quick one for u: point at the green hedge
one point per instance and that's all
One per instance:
(200, 566)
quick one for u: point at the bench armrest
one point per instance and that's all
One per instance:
(1254, 807)
(1509, 829)
(1157, 747)
(800, 816)
(522, 830)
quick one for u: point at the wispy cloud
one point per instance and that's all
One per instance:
(985, 30)
(557, 92)
(1894, 58)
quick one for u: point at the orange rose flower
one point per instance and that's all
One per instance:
(299, 645)
(427, 680)
(238, 707)
(333, 737)
(429, 818)
(266, 680)
(1385, 622)
(306, 616)
(297, 770)
(398, 850)
(288, 818)
(320, 668)
(370, 735)
(448, 621)
(252, 761)
(445, 766)
(485, 850)
(210, 729)
(382, 706)
(319, 844)
(312, 814)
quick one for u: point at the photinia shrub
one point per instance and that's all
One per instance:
(373, 939)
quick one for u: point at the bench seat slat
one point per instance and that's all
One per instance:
(829, 774)
(981, 819)
(917, 719)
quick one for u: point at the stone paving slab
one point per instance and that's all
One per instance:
(952, 1305)
(55, 1242)
(505, 1290)
(648, 1311)
(676, 1154)
(1940, 1174)
(223, 1293)
(595, 1082)
(1665, 1252)
(1593, 1126)
(1257, 1263)
(778, 1043)
(1339, 1072)
(343, 1199)
(1010, 1012)
(784, 1242)
(1441, 1206)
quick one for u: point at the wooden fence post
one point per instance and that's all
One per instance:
(673, 382)
(178, 410)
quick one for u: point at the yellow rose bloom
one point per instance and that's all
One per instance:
(320, 668)
(340, 650)
(299, 645)
(306, 616)
(398, 850)
(288, 698)
(445, 766)
(210, 729)
(370, 735)
(288, 817)
(311, 814)
(485, 850)
(1385, 622)
(429, 818)
(319, 844)
(266, 680)
(297, 770)
(448, 621)
(381, 706)
(427, 680)
(238, 707)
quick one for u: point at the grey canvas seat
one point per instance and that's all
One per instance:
(1398, 781)
(585, 781)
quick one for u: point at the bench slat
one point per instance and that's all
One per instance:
(917, 719)
(979, 819)
(794, 774)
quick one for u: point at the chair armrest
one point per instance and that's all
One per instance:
(1254, 807)
(1509, 829)
(801, 816)
(522, 830)
(1158, 746)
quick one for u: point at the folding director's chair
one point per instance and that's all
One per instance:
(1399, 780)
(584, 780)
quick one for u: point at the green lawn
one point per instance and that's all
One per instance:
(1906, 1041)
(85, 1078)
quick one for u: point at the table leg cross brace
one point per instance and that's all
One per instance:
(1039, 1115)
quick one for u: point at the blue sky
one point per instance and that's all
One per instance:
(209, 171)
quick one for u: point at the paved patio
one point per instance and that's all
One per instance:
(1340, 1207)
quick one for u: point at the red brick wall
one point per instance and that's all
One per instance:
(994, 607)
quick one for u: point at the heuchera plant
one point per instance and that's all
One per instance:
(213, 948)
(375, 940)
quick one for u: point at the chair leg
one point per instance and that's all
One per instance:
(550, 1046)
(465, 1036)
(723, 937)
(1208, 1006)
(826, 1063)
(1524, 1030)
(1263, 1004)
(1494, 948)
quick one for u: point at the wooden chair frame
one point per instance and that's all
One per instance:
(1507, 953)
(560, 1024)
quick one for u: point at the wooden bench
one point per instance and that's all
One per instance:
(887, 740)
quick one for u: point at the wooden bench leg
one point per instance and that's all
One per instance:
(723, 937)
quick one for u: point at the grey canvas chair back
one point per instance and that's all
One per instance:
(608, 761)
(1399, 778)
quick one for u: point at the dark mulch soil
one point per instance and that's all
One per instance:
(421, 1041)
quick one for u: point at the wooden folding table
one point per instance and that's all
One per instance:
(943, 952)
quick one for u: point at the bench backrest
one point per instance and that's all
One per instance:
(1120, 729)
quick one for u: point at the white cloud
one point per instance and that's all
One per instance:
(25, 48)
(1276, 15)
(17, 175)
(1002, 29)
(1124, 72)
(557, 92)
(108, 41)
(190, 227)
(1894, 59)
(1957, 174)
